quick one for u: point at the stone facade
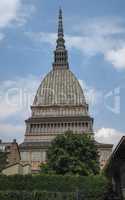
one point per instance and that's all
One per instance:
(34, 153)
(105, 151)
(45, 129)
(17, 168)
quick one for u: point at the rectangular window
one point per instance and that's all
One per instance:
(36, 156)
(25, 156)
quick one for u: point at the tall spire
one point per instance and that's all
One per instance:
(60, 25)
(60, 54)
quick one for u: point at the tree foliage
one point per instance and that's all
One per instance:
(72, 154)
(3, 160)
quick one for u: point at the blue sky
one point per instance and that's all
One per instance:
(95, 38)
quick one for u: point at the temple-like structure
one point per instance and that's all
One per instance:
(59, 106)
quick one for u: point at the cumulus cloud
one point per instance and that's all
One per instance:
(104, 36)
(13, 12)
(108, 136)
(8, 11)
(117, 58)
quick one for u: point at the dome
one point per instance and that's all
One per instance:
(59, 87)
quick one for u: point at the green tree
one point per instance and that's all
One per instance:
(72, 154)
(3, 160)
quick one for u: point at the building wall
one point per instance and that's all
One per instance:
(26, 169)
(34, 158)
(59, 111)
(38, 156)
(12, 149)
(104, 154)
(14, 155)
(39, 129)
(17, 169)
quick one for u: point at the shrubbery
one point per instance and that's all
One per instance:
(54, 183)
(36, 195)
(55, 187)
(67, 187)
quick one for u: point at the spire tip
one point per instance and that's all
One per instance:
(60, 54)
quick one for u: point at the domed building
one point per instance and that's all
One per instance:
(59, 106)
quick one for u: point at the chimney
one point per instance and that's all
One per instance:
(14, 140)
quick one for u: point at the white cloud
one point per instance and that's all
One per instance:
(102, 36)
(101, 26)
(43, 37)
(117, 58)
(8, 11)
(13, 12)
(91, 45)
(25, 12)
(108, 136)
(16, 96)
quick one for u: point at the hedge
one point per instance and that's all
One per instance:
(53, 187)
(53, 183)
(24, 195)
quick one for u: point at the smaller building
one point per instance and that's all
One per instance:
(36, 154)
(17, 168)
(105, 151)
(115, 168)
(12, 150)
